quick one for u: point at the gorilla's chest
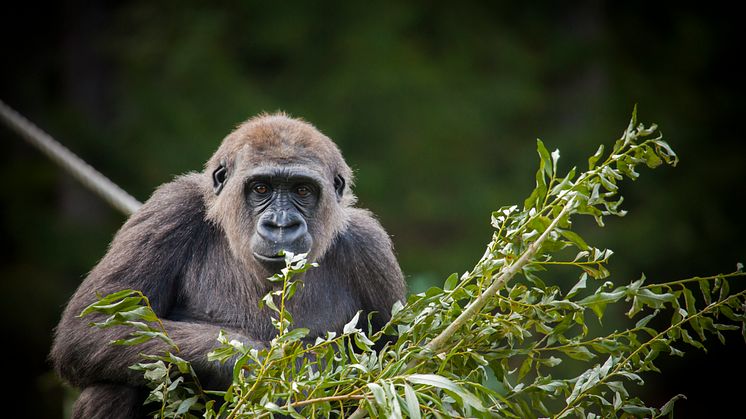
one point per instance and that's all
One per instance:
(322, 303)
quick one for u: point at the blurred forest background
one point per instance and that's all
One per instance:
(435, 106)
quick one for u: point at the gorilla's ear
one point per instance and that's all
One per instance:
(339, 186)
(219, 177)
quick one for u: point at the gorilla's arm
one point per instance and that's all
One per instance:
(148, 254)
(377, 275)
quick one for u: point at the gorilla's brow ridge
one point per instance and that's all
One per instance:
(285, 173)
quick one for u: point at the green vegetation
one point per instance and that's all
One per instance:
(502, 339)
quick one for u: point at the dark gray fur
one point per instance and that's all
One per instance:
(178, 250)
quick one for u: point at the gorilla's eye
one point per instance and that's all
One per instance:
(303, 191)
(261, 189)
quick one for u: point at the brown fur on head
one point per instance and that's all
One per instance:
(277, 140)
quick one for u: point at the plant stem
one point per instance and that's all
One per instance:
(259, 378)
(620, 365)
(266, 363)
(329, 399)
(436, 344)
(321, 400)
(695, 279)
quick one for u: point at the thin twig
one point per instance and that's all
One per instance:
(436, 345)
(79, 169)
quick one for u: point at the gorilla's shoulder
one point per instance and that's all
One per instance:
(184, 190)
(362, 226)
(167, 225)
(364, 250)
(177, 202)
(363, 236)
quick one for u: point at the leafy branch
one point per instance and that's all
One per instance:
(172, 379)
(499, 340)
(437, 344)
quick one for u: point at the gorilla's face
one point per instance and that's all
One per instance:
(272, 207)
(277, 184)
(283, 203)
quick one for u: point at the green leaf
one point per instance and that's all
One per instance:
(185, 405)
(413, 406)
(136, 340)
(138, 313)
(446, 384)
(351, 326)
(609, 184)
(666, 152)
(108, 307)
(597, 302)
(644, 321)
(156, 371)
(555, 159)
(268, 301)
(293, 335)
(704, 287)
(578, 286)
(651, 159)
(580, 353)
(585, 381)
(550, 362)
(392, 396)
(450, 282)
(687, 338)
(595, 157)
(378, 394)
(539, 223)
(536, 198)
(653, 299)
(724, 290)
(667, 408)
(362, 342)
(617, 387)
(546, 159)
(692, 310)
(290, 292)
(574, 238)
(525, 367)
(641, 411)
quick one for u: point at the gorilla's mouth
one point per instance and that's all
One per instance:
(269, 259)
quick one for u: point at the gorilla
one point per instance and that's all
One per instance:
(202, 247)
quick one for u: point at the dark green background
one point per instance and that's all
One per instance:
(436, 106)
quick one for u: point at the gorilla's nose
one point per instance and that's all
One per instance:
(283, 227)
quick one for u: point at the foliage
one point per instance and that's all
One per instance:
(492, 342)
